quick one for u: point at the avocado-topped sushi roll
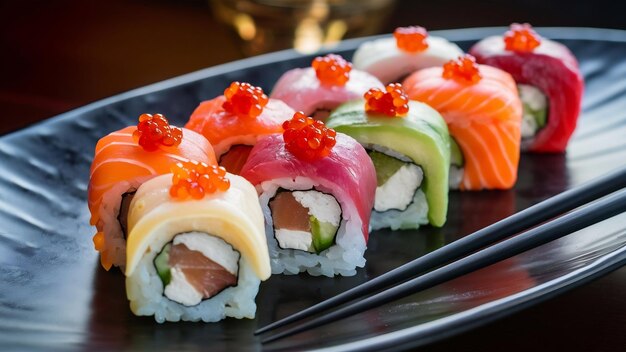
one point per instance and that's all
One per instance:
(316, 188)
(549, 81)
(483, 111)
(233, 122)
(123, 161)
(317, 90)
(196, 249)
(409, 145)
(410, 49)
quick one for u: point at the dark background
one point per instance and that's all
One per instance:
(59, 55)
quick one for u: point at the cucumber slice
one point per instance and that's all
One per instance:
(385, 165)
(162, 266)
(456, 156)
(323, 234)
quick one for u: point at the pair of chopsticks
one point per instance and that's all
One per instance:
(572, 213)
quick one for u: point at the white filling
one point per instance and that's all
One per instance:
(211, 247)
(455, 176)
(180, 290)
(295, 239)
(323, 206)
(399, 190)
(535, 100)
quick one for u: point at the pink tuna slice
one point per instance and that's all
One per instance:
(553, 69)
(300, 89)
(347, 173)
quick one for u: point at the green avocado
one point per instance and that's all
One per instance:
(540, 116)
(385, 165)
(162, 266)
(456, 156)
(422, 135)
(323, 234)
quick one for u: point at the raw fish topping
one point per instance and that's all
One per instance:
(521, 37)
(464, 68)
(154, 131)
(196, 179)
(393, 102)
(411, 39)
(307, 138)
(332, 70)
(244, 100)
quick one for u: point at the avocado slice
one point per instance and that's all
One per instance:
(540, 116)
(323, 234)
(385, 165)
(422, 135)
(162, 266)
(456, 156)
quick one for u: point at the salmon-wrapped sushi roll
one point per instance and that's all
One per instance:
(317, 90)
(233, 122)
(483, 111)
(410, 49)
(196, 249)
(409, 144)
(123, 161)
(316, 188)
(549, 81)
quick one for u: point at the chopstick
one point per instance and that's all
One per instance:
(575, 220)
(509, 226)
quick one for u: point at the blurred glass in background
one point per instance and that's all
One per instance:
(305, 25)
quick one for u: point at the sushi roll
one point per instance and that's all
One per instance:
(483, 111)
(196, 249)
(316, 188)
(233, 122)
(549, 81)
(329, 82)
(409, 145)
(410, 49)
(123, 161)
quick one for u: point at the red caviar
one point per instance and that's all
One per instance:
(196, 179)
(393, 102)
(411, 39)
(521, 37)
(464, 68)
(332, 70)
(154, 131)
(307, 138)
(244, 99)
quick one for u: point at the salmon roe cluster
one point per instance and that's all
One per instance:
(393, 102)
(411, 39)
(196, 179)
(307, 138)
(332, 70)
(244, 99)
(464, 68)
(521, 37)
(154, 131)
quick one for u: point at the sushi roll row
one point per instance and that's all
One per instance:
(305, 173)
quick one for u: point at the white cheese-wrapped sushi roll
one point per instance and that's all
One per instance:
(195, 255)
(392, 59)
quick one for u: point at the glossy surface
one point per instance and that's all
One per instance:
(55, 296)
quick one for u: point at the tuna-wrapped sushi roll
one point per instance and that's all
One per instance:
(123, 161)
(329, 82)
(549, 81)
(196, 249)
(410, 49)
(483, 112)
(233, 122)
(409, 145)
(317, 190)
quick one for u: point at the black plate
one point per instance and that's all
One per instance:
(54, 295)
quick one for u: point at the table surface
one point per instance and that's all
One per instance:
(64, 54)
